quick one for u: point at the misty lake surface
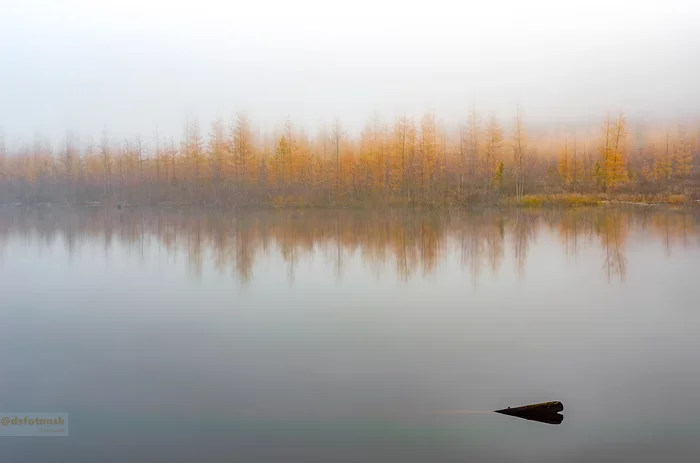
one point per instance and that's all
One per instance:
(184, 335)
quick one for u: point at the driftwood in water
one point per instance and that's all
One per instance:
(545, 412)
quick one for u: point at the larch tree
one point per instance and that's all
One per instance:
(499, 176)
(70, 159)
(278, 164)
(170, 160)
(663, 165)
(519, 145)
(647, 173)
(337, 134)
(322, 169)
(428, 151)
(141, 162)
(216, 154)
(90, 159)
(303, 162)
(289, 133)
(614, 153)
(244, 148)
(195, 152)
(185, 154)
(106, 160)
(157, 160)
(401, 150)
(493, 151)
(684, 158)
(367, 164)
(473, 145)
(577, 167)
(564, 166)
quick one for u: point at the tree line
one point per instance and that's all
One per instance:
(408, 161)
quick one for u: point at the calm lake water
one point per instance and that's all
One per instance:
(173, 335)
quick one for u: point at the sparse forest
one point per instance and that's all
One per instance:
(409, 161)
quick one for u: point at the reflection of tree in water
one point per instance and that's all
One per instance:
(613, 230)
(674, 227)
(244, 247)
(495, 236)
(570, 227)
(338, 250)
(375, 252)
(523, 229)
(221, 240)
(479, 238)
(414, 242)
(401, 244)
(194, 247)
(430, 244)
(471, 245)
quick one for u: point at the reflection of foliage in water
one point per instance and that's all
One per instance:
(411, 241)
(613, 233)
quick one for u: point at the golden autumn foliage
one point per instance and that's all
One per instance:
(407, 161)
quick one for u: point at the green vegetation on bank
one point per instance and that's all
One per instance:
(577, 200)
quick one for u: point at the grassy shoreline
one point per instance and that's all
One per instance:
(579, 200)
(558, 200)
(526, 202)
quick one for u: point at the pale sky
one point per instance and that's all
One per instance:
(132, 65)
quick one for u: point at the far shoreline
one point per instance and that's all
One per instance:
(535, 201)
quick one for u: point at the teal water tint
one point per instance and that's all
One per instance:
(174, 335)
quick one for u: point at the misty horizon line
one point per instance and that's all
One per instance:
(585, 126)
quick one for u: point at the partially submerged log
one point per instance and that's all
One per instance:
(545, 412)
